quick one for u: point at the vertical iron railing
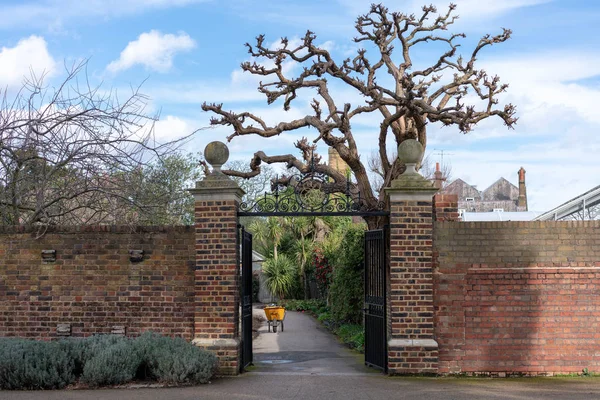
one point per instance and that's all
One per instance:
(375, 299)
(246, 299)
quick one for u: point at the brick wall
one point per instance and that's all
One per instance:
(93, 285)
(517, 297)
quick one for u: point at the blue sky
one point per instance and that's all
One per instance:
(189, 51)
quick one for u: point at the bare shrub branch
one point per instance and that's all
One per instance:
(65, 152)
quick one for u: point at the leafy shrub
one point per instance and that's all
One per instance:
(173, 360)
(101, 360)
(112, 365)
(255, 287)
(352, 335)
(182, 362)
(324, 317)
(27, 364)
(323, 271)
(313, 306)
(347, 288)
(83, 349)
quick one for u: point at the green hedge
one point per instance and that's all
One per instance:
(314, 306)
(102, 360)
(346, 294)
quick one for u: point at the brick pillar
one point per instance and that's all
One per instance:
(216, 321)
(445, 207)
(411, 345)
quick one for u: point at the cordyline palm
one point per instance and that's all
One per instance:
(304, 229)
(268, 232)
(280, 275)
(303, 249)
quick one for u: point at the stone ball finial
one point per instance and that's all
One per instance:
(410, 152)
(216, 154)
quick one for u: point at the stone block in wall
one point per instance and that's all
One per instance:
(63, 330)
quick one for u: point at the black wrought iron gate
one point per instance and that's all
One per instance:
(246, 299)
(375, 302)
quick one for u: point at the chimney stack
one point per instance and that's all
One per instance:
(438, 179)
(336, 162)
(522, 201)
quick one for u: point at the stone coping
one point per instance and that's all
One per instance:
(121, 229)
(427, 343)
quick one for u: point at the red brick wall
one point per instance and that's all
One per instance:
(444, 207)
(93, 285)
(517, 297)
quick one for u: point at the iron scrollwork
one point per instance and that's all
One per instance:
(309, 194)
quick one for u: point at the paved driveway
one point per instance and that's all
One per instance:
(306, 362)
(306, 348)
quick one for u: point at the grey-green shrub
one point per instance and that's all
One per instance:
(173, 360)
(83, 349)
(101, 360)
(114, 364)
(27, 364)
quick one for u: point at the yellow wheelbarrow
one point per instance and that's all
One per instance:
(275, 315)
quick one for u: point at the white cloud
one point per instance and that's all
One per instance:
(198, 92)
(466, 8)
(550, 80)
(477, 9)
(171, 128)
(340, 18)
(29, 55)
(153, 50)
(55, 13)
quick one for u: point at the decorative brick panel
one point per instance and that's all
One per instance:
(517, 297)
(92, 286)
(413, 359)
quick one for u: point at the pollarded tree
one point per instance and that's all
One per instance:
(407, 99)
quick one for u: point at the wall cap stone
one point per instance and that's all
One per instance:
(91, 229)
(428, 343)
(203, 342)
(410, 194)
(217, 193)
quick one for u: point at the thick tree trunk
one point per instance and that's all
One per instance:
(376, 222)
(305, 284)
